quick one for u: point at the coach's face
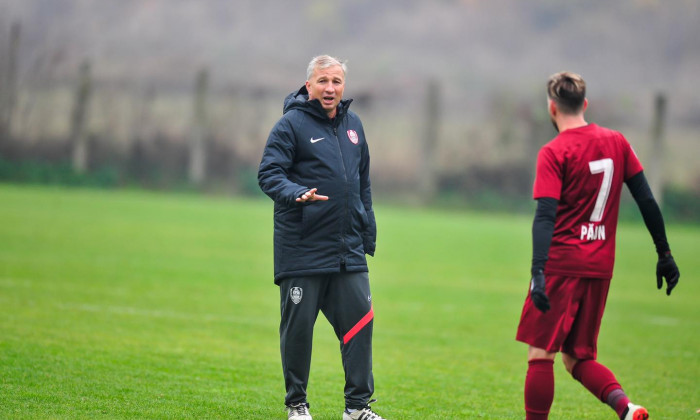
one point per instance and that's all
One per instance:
(327, 86)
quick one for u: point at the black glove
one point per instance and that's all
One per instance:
(666, 267)
(537, 294)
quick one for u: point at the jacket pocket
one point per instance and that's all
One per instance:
(358, 215)
(288, 220)
(315, 220)
(363, 217)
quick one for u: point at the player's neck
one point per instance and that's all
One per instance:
(570, 122)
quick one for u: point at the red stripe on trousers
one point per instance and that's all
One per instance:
(360, 325)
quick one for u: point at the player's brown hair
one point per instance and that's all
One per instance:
(568, 91)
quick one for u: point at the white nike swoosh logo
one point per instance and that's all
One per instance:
(313, 140)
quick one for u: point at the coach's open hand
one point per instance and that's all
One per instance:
(537, 294)
(666, 267)
(311, 196)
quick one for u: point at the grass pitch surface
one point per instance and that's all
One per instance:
(157, 306)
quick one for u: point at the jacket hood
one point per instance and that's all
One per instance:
(300, 100)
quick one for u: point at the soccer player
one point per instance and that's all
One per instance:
(577, 187)
(315, 167)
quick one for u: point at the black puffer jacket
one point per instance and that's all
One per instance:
(305, 150)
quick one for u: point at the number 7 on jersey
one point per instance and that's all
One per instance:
(606, 167)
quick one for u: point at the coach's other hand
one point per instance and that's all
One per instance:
(666, 267)
(537, 294)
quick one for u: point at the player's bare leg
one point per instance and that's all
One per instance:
(569, 362)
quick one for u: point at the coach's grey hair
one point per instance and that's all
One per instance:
(324, 61)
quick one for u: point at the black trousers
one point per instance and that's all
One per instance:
(345, 300)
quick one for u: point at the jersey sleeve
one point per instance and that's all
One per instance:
(548, 176)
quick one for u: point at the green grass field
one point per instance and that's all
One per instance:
(160, 306)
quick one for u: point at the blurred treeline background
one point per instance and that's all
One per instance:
(181, 94)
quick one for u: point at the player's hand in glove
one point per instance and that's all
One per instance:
(666, 267)
(537, 294)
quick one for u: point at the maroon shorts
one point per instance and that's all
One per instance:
(572, 323)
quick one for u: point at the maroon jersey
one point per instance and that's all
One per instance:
(584, 169)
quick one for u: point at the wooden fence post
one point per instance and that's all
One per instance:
(79, 118)
(428, 166)
(655, 167)
(198, 158)
(8, 86)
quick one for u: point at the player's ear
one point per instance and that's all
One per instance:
(552, 107)
(585, 103)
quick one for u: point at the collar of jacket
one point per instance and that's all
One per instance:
(300, 100)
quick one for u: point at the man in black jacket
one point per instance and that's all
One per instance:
(315, 167)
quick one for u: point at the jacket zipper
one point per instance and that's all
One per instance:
(345, 218)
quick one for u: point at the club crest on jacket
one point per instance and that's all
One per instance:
(352, 135)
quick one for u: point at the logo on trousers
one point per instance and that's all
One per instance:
(296, 293)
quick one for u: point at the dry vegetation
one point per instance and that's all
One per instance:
(490, 59)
